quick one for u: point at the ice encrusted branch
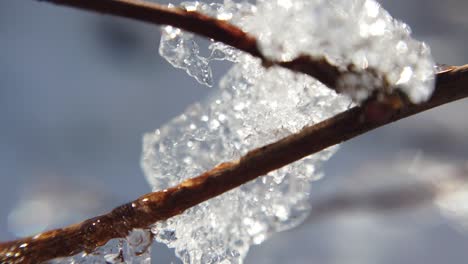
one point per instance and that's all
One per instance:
(320, 67)
(86, 236)
(203, 25)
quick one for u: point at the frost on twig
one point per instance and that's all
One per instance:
(255, 106)
(369, 49)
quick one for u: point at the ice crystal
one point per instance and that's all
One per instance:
(183, 52)
(255, 106)
(180, 49)
(134, 249)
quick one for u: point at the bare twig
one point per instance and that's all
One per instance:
(212, 28)
(146, 210)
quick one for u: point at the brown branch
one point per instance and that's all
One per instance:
(212, 28)
(150, 208)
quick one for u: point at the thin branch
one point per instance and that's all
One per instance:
(150, 208)
(212, 28)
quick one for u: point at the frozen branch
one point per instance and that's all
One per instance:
(212, 28)
(150, 208)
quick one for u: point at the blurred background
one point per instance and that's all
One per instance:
(78, 90)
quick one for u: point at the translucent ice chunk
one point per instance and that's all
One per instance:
(253, 107)
(220, 51)
(181, 50)
(135, 249)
